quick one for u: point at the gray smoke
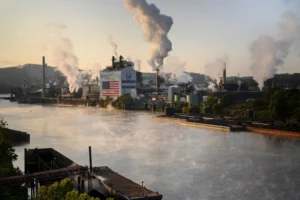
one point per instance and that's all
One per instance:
(215, 69)
(269, 54)
(61, 52)
(114, 46)
(155, 26)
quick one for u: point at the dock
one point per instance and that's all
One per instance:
(46, 166)
(119, 185)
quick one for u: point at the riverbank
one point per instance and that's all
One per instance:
(229, 127)
(275, 132)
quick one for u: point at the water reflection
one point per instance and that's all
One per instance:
(180, 162)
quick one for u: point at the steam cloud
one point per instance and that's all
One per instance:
(61, 51)
(177, 69)
(212, 86)
(269, 54)
(114, 46)
(215, 69)
(155, 26)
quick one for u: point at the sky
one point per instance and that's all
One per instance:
(203, 31)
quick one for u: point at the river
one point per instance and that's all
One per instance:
(182, 163)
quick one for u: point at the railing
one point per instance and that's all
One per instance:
(45, 175)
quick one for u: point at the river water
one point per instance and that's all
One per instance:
(182, 163)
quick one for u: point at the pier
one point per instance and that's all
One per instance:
(46, 166)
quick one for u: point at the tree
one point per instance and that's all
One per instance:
(7, 156)
(296, 115)
(277, 105)
(227, 100)
(124, 101)
(210, 101)
(62, 190)
(217, 108)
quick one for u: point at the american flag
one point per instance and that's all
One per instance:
(110, 88)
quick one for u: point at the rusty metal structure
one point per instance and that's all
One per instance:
(46, 166)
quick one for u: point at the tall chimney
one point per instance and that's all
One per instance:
(224, 74)
(157, 78)
(121, 62)
(44, 78)
(113, 62)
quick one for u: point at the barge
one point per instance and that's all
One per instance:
(275, 132)
(185, 122)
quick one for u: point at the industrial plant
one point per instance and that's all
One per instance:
(121, 78)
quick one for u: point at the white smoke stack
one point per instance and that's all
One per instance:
(61, 52)
(114, 46)
(155, 26)
(269, 54)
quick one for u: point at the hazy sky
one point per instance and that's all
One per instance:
(203, 30)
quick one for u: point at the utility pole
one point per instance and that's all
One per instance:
(44, 78)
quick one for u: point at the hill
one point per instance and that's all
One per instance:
(26, 74)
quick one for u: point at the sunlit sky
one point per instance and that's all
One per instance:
(203, 30)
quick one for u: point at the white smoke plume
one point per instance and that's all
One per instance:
(60, 50)
(155, 27)
(215, 69)
(177, 68)
(137, 65)
(269, 54)
(212, 86)
(114, 46)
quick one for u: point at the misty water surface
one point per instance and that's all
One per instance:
(180, 162)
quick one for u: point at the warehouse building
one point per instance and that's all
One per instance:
(118, 79)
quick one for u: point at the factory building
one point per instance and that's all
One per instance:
(118, 79)
(91, 90)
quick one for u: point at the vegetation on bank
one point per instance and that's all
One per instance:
(277, 104)
(62, 190)
(7, 157)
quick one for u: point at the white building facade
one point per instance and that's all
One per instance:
(115, 83)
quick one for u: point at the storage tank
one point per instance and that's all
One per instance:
(192, 99)
(171, 92)
(176, 98)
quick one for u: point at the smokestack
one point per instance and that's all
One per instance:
(113, 62)
(121, 61)
(157, 78)
(44, 78)
(224, 74)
